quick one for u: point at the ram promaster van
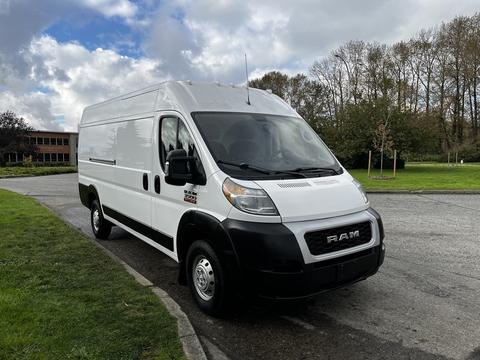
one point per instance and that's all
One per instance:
(242, 193)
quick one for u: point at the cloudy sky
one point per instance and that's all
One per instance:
(57, 56)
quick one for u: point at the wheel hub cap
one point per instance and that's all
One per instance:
(96, 220)
(204, 278)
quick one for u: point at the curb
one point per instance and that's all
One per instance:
(30, 175)
(188, 337)
(426, 192)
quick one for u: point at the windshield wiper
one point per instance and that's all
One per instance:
(313, 169)
(245, 166)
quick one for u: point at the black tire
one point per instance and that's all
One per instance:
(103, 227)
(221, 302)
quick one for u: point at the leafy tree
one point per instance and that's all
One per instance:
(275, 81)
(430, 85)
(14, 133)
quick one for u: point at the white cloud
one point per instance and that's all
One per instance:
(109, 8)
(35, 107)
(281, 33)
(86, 77)
(186, 39)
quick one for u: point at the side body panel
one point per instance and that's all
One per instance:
(171, 202)
(113, 157)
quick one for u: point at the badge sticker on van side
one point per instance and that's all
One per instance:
(190, 196)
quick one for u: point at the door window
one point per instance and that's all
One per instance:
(168, 136)
(184, 140)
(174, 135)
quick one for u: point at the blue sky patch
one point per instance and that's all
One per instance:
(94, 31)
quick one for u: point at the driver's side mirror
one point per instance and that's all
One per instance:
(178, 167)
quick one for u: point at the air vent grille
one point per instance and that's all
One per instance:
(293, 185)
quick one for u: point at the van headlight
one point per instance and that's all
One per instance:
(361, 189)
(252, 201)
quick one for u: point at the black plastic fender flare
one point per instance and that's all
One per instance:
(213, 232)
(85, 192)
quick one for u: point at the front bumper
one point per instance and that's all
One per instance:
(272, 264)
(319, 277)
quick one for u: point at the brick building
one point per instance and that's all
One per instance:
(53, 147)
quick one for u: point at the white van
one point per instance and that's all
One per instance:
(243, 194)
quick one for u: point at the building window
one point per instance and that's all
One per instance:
(66, 157)
(46, 141)
(39, 141)
(33, 140)
(65, 141)
(60, 157)
(47, 157)
(54, 157)
(53, 141)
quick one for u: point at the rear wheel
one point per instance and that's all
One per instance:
(209, 280)
(100, 226)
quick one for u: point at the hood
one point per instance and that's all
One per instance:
(314, 198)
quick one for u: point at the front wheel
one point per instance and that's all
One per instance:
(100, 226)
(209, 280)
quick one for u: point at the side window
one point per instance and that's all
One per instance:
(174, 135)
(168, 136)
(184, 141)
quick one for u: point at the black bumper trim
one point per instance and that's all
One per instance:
(152, 234)
(317, 277)
(272, 264)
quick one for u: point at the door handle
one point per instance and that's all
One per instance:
(145, 181)
(157, 184)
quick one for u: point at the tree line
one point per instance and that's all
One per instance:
(14, 136)
(420, 97)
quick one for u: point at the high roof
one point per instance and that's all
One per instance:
(187, 97)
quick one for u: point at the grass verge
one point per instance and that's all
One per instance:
(61, 297)
(35, 171)
(424, 176)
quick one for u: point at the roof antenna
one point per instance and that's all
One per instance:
(246, 74)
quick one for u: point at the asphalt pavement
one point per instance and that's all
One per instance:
(424, 303)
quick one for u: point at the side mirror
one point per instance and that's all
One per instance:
(178, 167)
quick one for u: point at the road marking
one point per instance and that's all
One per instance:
(298, 322)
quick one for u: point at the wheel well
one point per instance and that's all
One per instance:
(190, 234)
(91, 197)
(187, 236)
(196, 225)
(87, 193)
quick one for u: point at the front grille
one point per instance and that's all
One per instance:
(340, 238)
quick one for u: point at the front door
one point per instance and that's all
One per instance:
(169, 201)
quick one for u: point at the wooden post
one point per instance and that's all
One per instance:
(394, 163)
(456, 158)
(448, 159)
(369, 162)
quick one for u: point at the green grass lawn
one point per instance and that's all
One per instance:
(424, 176)
(35, 171)
(62, 298)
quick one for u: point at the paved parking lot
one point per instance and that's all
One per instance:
(424, 302)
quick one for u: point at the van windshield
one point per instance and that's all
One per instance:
(279, 145)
